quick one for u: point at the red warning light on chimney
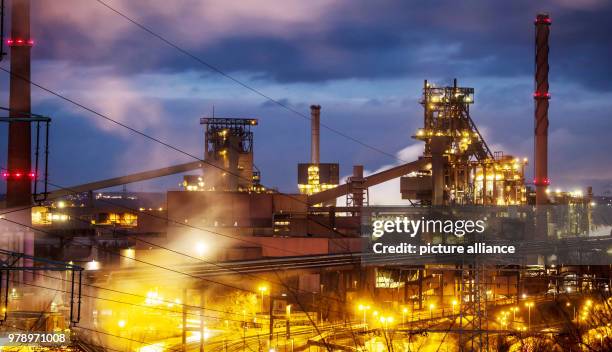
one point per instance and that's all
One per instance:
(544, 182)
(18, 175)
(19, 42)
(542, 20)
(539, 95)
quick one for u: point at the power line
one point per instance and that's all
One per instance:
(239, 82)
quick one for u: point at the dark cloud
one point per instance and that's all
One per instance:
(363, 40)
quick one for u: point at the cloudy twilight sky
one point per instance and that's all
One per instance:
(364, 62)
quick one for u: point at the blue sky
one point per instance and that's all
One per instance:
(364, 62)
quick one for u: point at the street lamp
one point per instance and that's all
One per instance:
(404, 311)
(514, 310)
(385, 321)
(288, 327)
(504, 322)
(454, 305)
(431, 307)
(529, 305)
(244, 326)
(568, 304)
(262, 289)
(585, 310)
(364, 309)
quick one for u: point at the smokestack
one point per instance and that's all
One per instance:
(315, 121)
(541, 97)
(19, 184)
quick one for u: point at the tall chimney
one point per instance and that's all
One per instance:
(541, 97)
(19, 184)
(315, 122)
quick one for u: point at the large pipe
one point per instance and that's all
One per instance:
(19, 188)
(541, 97)
(370, 181)
(123, 180)
(315, 129)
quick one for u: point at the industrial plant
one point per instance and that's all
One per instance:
(226, 262)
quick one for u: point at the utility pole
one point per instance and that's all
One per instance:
(202, 327)
(288, 322)
(271, 333)
(184, 332)
(420, 281)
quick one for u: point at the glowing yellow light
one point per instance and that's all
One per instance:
(201, 248)
(121, 323)
(61, 204)
(153, 298)
(156, 347)
(92, 265)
